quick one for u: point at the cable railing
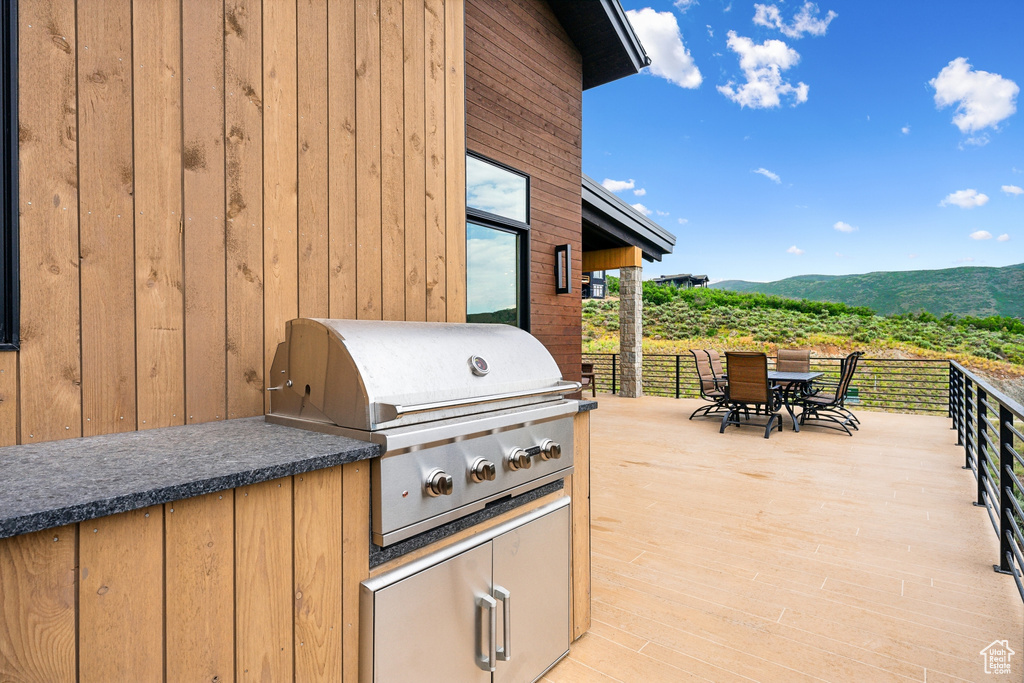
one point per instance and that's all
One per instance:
(988, 425)
(894, 385)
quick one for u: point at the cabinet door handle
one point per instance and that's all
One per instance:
(488, 603)
(505, 653)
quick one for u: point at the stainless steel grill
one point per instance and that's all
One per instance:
(466, 414)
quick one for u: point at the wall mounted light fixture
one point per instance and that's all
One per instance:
(563, 269)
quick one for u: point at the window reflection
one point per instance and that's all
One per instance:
(495, 190)
(492, 275)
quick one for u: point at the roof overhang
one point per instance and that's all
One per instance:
(604, 37)
(609, 222)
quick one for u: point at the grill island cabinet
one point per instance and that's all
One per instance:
(492, 608)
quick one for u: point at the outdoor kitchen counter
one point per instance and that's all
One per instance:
(55, 483)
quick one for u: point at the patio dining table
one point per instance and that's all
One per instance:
(792, 383)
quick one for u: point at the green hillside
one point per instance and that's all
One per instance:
(971, 291)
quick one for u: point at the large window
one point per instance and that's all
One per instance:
(9, 175)
(497, 243)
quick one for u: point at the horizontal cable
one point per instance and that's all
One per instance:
(1016, 455)
(1009, 425)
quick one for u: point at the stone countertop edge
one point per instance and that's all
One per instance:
(54, 483)
(584, 406)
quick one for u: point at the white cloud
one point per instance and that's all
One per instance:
(1013, 189)
(683, 5)
(805, 21)
(795, 250)
(975, 141)
(683, 221)
(661, 213)
(965, 199)
(981, 235)
(911, 255)
(774, 177)
(617, 185)
(844, 227)
(762, 66)
(1003, 238)
(659, 33)
(711, 31)
(982, 99)
(640, 192)
(905, 130)
(642, 209)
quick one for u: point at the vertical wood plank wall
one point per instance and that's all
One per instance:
(523, 108)
(257, 583)
(193, 174)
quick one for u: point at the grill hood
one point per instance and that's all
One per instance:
(370, 375)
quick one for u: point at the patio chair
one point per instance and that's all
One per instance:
(712, 384)
(827, 408)
(589, 379)
(792, 360)
(749, 386)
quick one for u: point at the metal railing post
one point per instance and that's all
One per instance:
(677, 375)
(979, 445)
(949, 396)
(967, 437)
(956, 386)
(613, 372)
(1005, 506)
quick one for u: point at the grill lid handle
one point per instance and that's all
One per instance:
(392, 411)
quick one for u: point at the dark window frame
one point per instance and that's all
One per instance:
(9, 294)
(510, 225)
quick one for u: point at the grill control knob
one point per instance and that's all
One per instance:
(439, 484)
(518, 459)
(482, 470)
(549, 450)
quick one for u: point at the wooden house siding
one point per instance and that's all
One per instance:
(194, 174)
(524, 108)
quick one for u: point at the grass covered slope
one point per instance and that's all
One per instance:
(677, 320)
(961, 291)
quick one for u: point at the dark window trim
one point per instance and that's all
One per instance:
(524, 265)
(490, 220)
(9, 294)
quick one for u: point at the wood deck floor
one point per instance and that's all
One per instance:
(810, 556)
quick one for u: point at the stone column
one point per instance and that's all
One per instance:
(631, 334)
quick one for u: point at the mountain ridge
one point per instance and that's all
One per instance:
(964, 291)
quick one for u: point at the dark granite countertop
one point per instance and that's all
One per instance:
(587, 405)
(49, 484)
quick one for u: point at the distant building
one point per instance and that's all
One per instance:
(594, 285)
(683, 281)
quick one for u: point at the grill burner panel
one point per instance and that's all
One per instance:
(403, 505)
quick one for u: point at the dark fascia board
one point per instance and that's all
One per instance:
(612, 210)
(613, 235)
(606, 40)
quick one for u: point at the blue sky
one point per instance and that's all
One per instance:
(831, 151)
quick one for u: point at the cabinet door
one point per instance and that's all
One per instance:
(428, 628)
(531, 563)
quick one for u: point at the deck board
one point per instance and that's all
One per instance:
(811, 556)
